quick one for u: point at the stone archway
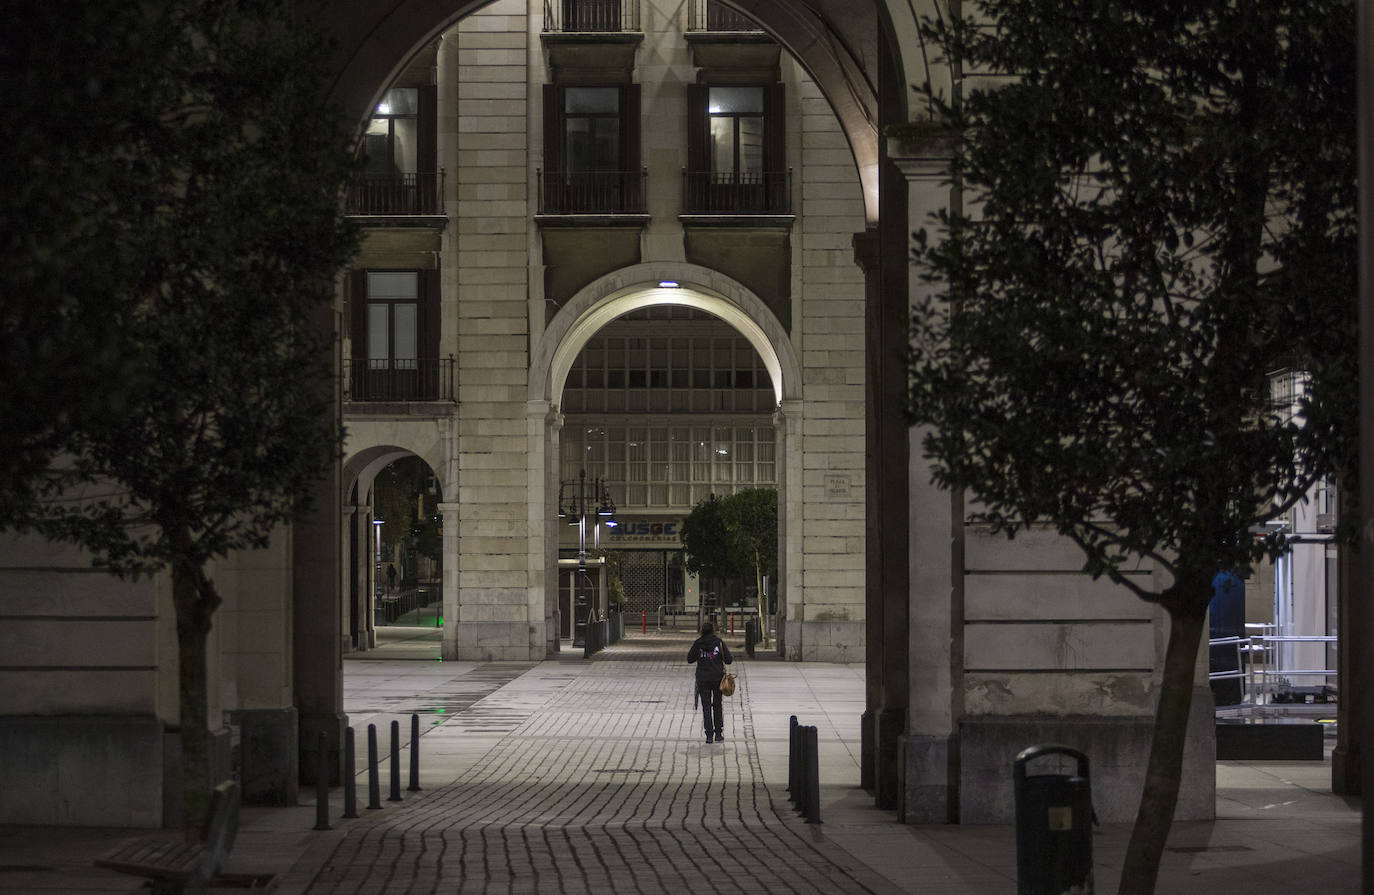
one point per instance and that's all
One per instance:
(659, 283)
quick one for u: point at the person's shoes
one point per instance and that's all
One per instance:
(720, 738)
(708, 738)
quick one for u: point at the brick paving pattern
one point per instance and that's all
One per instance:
(608, 785)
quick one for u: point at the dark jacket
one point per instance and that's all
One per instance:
(711, 655)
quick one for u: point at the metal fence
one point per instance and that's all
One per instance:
(715, 192)
(421, 379)
(591, 16)
(395, 194)
(707, 15)
(592, 192)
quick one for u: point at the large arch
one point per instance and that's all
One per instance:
(644, 285)
(836, 41)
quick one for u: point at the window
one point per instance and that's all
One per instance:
(736, 128)
(400, 152)
(670, 467)
(393, 320)
(392, 141)
(736, 152)
(591, 150)
(395, 335)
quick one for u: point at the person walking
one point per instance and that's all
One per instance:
(711, 655)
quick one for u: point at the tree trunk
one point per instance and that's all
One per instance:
(1164, 772)
(194, 598)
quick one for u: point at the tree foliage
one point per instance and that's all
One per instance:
(1158, 214)
(734, 536)
(190, 144)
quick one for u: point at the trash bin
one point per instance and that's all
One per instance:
(751, 635)
(1054, 851)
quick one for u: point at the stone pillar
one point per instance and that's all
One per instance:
(933, 550)
(541, 574)
(449, 582)
(791, 594)
(551, 425)
(316, 629)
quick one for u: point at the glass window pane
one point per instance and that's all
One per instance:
(736, 100)
(400, 101)
(393, 284)
(751, 145)
(601, 100)
(405, 318)
(378, 330)
(406, 145)
(722, 146)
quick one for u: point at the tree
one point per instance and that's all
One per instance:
(706, 545)
(219, 198)
(1158, 214)
(751, 521)
(734, 536)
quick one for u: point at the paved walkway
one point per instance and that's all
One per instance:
(577, 775)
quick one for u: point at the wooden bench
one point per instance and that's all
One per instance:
(174, 866)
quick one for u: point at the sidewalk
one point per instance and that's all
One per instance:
(577, 775)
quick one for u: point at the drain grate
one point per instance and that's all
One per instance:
(1198, 849)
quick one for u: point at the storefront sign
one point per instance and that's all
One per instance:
(644, 531)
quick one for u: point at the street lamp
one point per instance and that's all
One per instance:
(590, 503)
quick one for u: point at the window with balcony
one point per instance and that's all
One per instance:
(736, 151)
(400, 153)
(591, 150)
(395, 333)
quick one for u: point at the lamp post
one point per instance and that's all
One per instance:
(594, 503)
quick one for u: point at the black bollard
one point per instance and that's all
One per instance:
(374, 786)
(813, 777)
(350, 780)
(414, 754)
(322, 783)
(395, 762)
(792, 759)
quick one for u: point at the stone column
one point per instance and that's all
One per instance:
(316, 629)
(449, 582)
(934, 627)
(791, 594)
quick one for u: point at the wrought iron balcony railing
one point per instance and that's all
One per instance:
(713, 192)
(592, 192)
(708, 15)
(396, 194)
(422, 379)
(591, 16)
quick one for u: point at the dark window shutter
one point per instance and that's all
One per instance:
(357, 310)
(698, 127)
(428, 130)
(629, 148)
(429, 315)
(775, 128)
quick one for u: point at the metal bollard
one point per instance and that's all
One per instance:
(414, 754)
(350, 781)
(813, 776)
(322, 783)
(792, 759)
(374, 788)
(395, 762)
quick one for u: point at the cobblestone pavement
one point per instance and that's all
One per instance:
(601, 782)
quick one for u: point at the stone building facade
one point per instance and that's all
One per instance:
(495, 275)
